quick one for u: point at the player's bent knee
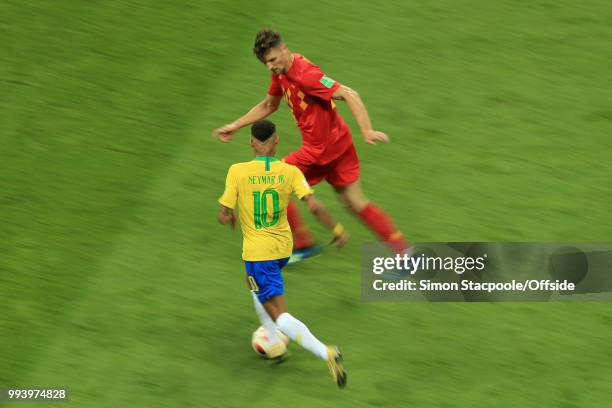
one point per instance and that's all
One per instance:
(352, 197)
(358, 208)
(352, 202)
(355, 204)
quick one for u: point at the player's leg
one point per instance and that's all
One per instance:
(345, 179)
(302, 236)
(266, 282)
(297, 331)
(265, 319)
(374, 217)
(304, 245)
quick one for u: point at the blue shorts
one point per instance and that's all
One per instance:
(265, 278)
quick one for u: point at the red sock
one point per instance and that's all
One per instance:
(302, 237)
(382, 225)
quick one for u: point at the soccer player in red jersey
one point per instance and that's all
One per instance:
(327, 150)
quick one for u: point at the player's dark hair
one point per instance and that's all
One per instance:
(264, 40)
(262, 130)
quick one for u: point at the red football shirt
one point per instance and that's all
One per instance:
(308, 91)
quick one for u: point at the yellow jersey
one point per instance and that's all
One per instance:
(262, 188)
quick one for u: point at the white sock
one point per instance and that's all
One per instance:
(266, 320)
(298, 332)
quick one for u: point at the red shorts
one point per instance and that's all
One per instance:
(341, 171)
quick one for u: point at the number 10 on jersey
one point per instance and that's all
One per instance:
(260, 208)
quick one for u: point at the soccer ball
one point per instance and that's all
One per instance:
(260, 341)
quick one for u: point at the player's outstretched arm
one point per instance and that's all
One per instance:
(340, 236)
(226, 215)
(355, 104)
(260, 111)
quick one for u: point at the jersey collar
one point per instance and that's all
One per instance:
(266, 158)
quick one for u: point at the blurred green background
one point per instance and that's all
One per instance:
(116, 280)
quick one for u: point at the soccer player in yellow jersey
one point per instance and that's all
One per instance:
(262, 187)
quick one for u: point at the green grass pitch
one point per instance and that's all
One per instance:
(117, 282)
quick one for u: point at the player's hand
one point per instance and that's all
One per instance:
(226, 215)
(340, 240)
(340, 236)
(226, 132)
(373, 136)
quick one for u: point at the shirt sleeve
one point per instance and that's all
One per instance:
(300, 185)
(275, 88)
(316, 83)
(230, 195)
